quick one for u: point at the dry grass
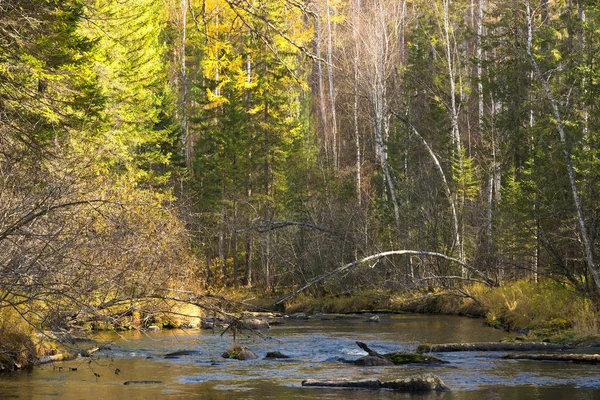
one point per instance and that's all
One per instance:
(340, 304)
(547, 310)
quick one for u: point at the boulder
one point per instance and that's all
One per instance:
(424, 383)
(373, 319)
(275, 354)
(239, 353)
(373, 361)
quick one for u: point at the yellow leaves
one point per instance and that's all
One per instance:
(556, 54)
(214, 100)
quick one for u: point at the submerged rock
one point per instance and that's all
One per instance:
(374, 319)
(177, 354)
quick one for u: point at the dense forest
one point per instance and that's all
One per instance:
(166, 149)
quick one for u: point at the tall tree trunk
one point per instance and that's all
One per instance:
(324, 125)
(450, 64)
(267, 252)
(355, 17)
(587, 245)
(380, 109)
(186, 145)
(234, 233)
(248, 237)
(222, 245)
(334, 138)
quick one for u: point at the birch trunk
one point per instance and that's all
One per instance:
(334, 139)
(326, 138)
(453, 105)
(357, 10)
(186, 146)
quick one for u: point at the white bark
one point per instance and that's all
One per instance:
(355, 18)
(326, 138)
(334, 139)
(186, 145)
(450, 64)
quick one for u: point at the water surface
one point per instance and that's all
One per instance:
(314, 346)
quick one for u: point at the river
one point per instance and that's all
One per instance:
(314, 345)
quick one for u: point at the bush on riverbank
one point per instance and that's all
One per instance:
(17, 349)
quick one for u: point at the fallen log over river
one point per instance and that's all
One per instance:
(490, 346)
(423, 383)
(579, 358)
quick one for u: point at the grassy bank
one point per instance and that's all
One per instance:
(547, 311)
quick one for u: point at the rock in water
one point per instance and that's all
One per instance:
(240, 353)
(374, 319)
(276, 354)
(373, 361)
(425, 383)
(177, 354)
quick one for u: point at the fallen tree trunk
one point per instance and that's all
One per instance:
(580, 358)
(490, 346)
(423, 383)
(49, 359)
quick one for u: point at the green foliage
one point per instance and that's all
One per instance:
(130, 62)
(465, 176)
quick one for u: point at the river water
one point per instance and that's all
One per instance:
(314, 346)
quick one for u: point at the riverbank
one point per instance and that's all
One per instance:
(545, 311)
